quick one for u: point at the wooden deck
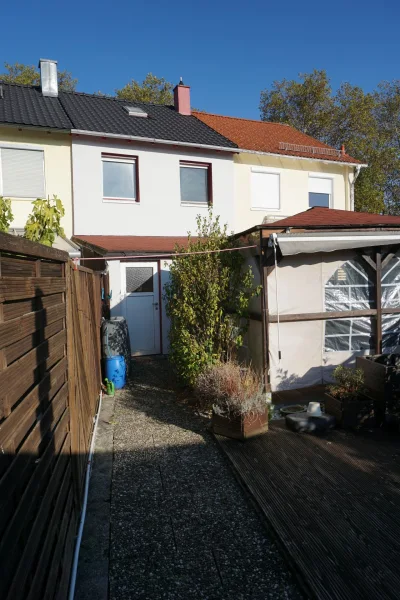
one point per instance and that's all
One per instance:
(334, 505)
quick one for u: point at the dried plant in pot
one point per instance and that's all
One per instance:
(347, 400)
(235, 394)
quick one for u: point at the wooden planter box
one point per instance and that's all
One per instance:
(240, 428)
(381, 376)
(350, 413)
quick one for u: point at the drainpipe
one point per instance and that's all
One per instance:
(357, 170)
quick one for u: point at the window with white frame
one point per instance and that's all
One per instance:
(265, 190)
(22, 173)
(195, 180)
(120, 178)
(320, 191)
(351, 288)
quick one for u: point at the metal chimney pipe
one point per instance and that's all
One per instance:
(48, 77)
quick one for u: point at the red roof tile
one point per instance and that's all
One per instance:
(330, 217)
(131, 243)
(263, 136)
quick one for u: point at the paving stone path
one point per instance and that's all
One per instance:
(181, 527)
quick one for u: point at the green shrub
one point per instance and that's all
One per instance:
(349, 383)
(44, 223)
(6, 215)
(207, 300)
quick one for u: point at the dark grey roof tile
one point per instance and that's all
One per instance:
(25, 105)
(108, 115)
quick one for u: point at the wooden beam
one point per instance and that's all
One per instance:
(390, 311)
(378, 300)
(264, 317)
(21, 246)
(322, 316)
(367, 259)
(391, 254)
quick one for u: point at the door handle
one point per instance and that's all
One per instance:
(155, 304)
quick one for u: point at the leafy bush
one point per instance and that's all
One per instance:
(44, 223)
(6, 215)
(230, 390)
(207, 299)
(349, 383)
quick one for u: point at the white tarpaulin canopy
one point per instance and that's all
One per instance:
(306, 243)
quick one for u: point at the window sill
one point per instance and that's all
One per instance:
(196, 204)
(120, 201)
(276, 210)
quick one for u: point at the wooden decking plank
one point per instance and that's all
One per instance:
(342, 540)
(357, 532)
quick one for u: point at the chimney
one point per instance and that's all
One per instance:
(182, 98)
(48, 77)
(342, 149)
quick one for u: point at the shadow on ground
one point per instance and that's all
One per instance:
(181, 527)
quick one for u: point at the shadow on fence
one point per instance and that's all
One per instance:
(50, 381)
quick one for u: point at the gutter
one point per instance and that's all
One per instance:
(136, 138)
(338, 238)
(328, 162)
(357, 171)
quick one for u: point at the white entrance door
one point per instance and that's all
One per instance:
(139, 286)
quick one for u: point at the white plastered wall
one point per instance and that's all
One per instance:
(300, 282)
(159, 212)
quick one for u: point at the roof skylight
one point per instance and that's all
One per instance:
(135, 111)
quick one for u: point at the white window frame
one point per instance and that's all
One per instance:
(125, 160)
(337, 305)
(188, 165)
(312, 175)
(267, 171)
(23, 147)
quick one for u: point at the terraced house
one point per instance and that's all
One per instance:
(35, 149)
(133, 177)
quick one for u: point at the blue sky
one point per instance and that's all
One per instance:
(227, 51)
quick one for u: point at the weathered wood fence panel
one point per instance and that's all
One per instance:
(50, 380)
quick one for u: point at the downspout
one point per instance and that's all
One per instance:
(357, 170)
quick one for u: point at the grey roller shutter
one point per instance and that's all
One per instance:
(22, 173)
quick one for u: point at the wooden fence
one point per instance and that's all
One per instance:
(50, 381)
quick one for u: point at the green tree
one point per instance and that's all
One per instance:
(29, 75)
(6, 215)
(306, 104)
(44, 223)
(152, 89)
(207, 299)
(366, 123)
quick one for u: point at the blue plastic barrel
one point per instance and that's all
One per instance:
(115, 369)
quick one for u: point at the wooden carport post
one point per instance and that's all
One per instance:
(264, 315)
(378, 300)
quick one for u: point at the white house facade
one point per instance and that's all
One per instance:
(147, 190)
(141, 176)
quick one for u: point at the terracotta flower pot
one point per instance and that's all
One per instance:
(240, 427)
